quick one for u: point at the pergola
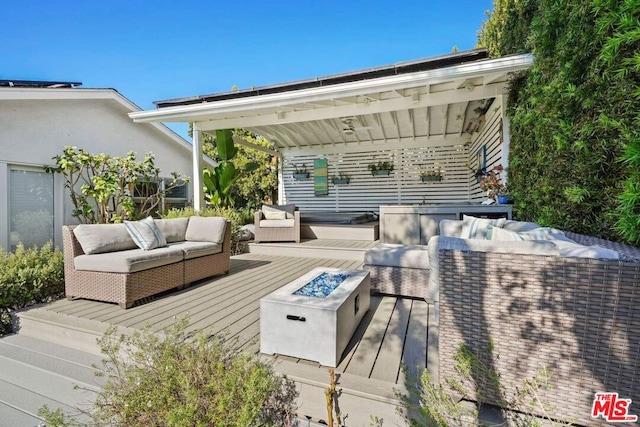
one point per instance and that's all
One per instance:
(437, 101)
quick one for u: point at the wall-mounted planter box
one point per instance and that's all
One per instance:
(380, 172)
(301, 175)
(431, 178)
(341, 181)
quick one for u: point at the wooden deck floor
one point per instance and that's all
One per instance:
(393, 332)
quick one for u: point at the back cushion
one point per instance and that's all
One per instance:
(450, 227)
(174, 229)
(101, 238)
(274, 211)
(206, 229)
(520, 225)
(478, 228)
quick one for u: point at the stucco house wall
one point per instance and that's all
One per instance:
(37, 123)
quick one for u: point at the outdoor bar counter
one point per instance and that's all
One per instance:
(415, 224)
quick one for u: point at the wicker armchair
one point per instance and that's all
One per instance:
(277, 230)
(576, 317)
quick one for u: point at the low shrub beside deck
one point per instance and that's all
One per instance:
(28, 276)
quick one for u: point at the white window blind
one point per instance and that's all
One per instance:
(30, 207)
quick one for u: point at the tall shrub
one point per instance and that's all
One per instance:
(255, 186)
(220, 181)
(103, 187)
(575, 144)
(507, 27)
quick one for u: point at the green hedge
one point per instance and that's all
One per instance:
(575, 128)
(28, 276)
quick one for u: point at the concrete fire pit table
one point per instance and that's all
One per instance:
(315, 316)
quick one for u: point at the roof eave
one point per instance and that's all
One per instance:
(347, 77)
(189, 113)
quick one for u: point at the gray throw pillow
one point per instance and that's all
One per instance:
(145, 234)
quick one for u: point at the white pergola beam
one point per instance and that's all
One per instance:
(464, 117)
(255, 146)
(408, 142)
(383, 106)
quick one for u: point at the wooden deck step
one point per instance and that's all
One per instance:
(353, 250)
(36, 373)
(368, 231)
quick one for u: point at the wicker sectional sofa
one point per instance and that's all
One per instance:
(102, 261)
(521, 307)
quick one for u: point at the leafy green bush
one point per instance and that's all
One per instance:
(238, 218)
(575, 131)
(179, 380)
(28, 276)
(252, 188)
(102, 187)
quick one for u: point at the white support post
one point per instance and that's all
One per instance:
(280, 179)
(198, 194)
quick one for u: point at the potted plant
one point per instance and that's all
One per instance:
(300, 172)
(380, 168)
(431, 176)
(504, 196)
(490, 183)
(341, 178)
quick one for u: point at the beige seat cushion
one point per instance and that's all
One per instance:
(277, 223)
(206, 229)
(100, 238)
(129, 261)
(174, 229)
(197, 249)
(392, 255)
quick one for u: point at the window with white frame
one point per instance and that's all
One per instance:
(177, 197)
(30, 207)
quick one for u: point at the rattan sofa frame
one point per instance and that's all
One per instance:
(577, 317)
(277, 234)
(125, 289)
(400, 281)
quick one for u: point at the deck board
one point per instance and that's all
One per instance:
(415, 349)
(364, 357)
(359, 333)
(387, 364)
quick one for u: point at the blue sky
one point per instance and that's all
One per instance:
(154, 50)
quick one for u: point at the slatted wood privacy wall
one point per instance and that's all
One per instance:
(490, 135)
(366, 192)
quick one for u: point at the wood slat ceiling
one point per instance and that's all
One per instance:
(456, 119)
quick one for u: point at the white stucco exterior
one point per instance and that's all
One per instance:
(37, 123)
